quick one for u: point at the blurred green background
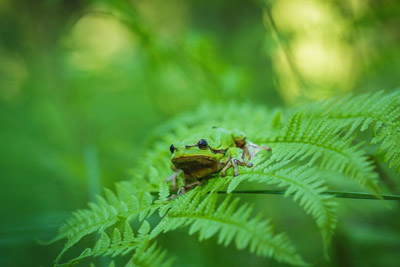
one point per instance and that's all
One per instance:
(82, 83)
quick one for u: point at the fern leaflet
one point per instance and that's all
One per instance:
(379, 110)
(308, 141)
(145, 254)
(303, 183)
(231, 224)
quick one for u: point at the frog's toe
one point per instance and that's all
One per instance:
(235, 167)
(250, 150)
(181, 191)
(266, 148)
(193, 185)
(227, 166)
(235, 163)
(173, 196)
(244, 163)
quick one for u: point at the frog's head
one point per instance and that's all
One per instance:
(196, 161)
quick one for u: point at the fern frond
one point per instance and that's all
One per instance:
(145, 254)
(378, 111)
(323, 135)
(104, 214)
(307, 141)
(306, 186)
(230, 223)
(149, 255)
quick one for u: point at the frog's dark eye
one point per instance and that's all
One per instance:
(172, 148)
(202, 144)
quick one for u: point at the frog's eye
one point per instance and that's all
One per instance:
(202, 144)
(172, 148)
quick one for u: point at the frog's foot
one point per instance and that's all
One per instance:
(250, 150)
(227, 166)
(235, 159)
(240, 162)
(173, 177)
(188, 187)
(172, 196)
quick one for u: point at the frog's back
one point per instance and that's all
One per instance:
(217, 138)
(220, 138)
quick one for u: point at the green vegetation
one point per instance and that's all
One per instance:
(92, 93)
(305, 148)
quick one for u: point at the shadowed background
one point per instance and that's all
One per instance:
(82, 83)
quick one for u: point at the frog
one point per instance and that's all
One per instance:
(203, 155)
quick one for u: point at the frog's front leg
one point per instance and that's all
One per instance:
(235, 158)
(189, 186)
(173, 177)
(228, 164)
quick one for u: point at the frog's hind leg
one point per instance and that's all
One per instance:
(251, 149)
(235, 158)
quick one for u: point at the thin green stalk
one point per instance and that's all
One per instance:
(337, 194)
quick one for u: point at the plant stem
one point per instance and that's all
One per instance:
(337, 194)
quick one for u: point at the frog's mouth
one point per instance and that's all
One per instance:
(196, 166)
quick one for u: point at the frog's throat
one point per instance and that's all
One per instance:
(197, 166)
(193, 161)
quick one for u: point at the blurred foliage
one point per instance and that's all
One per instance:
(83, 83)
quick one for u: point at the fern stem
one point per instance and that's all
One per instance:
(337, 194)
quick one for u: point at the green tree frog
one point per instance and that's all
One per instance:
(205, 154)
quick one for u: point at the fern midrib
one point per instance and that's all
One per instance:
(87, 227)
(73, 240)
(94, 253)
(238, 225)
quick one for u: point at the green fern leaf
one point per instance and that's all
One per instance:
(378, 111)
(322, 137)
(104, 214)
(304, 140)
(303, 183)
(145, 254)
(230, 223)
